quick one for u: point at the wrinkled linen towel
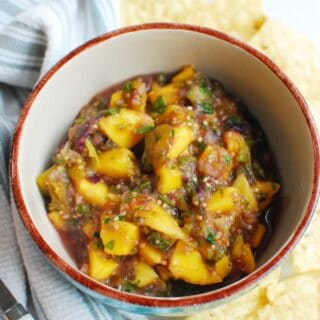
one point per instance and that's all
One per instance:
(34, 34)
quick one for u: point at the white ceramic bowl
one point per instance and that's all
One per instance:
(152, 48)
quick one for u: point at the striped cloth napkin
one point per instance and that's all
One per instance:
(34, 34)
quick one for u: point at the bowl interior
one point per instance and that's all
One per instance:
(158, 50)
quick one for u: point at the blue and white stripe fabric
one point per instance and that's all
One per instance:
(34, 34)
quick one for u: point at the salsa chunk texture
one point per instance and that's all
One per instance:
(163, 181)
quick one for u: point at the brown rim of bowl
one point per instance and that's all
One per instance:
(145, 301)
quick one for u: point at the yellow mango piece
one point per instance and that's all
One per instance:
(42, 180)
(185, 74)
(170, 94)
(170, 179)
(92, 152)
(242, 184)
(265, 191)
(223, 266)
(236, 145)
(247, 258)
(258, 235)
(144, 275)
(150, 254)
(56, 219)
(100, 267)
(237, 247)
(183, 137)
(140, 100)
(223, 200)
(96, 194)
(174, 115)
(186, 263)
(115, 163)
(122, 127)
(155, 217)
(89, 228)
(120, 238)
(116, 99)
(215, 161)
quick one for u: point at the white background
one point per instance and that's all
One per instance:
(302, 15)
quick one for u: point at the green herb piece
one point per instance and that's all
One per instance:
(233, 121)
(274, 186)
(183, 160)
(107, 220)
(79, 120)
(99, 244)
(111, 111)
(261, 196)
(210, 237)
(145, 129)
(250, 142)
(156, 240)
(96, 234)
(207, 108)
(145, 185)
(201, 146)
(166, 200)
(127, 87)
(128, 286)
(159, 106)
(109, 245)
(121, 218)
(227, 158)
(83, 208)
(161, 78)
(206, 90)
(242, 157)
(172, 133)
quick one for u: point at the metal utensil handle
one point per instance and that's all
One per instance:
(17, 312)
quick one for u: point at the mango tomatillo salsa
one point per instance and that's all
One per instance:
(162, 178)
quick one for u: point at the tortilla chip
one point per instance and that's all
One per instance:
(141, 11)
(294, 298)
(244, 307)
(306, 256)
(297, 57)
(240, 18)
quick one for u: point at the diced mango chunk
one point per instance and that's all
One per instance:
(186, 263)
(247, 259)
(56, 219)
(155, 217)
(42, 179)
(258, 235)
(215, 161)
(174, 115)
(223, 200)
(89, 229)
(122, 127)
(237, 247)
(183, 137)
(96, 194)
(236, 144)
(243, 186)
(100, 267)
(265, 191)
(150, 254)
(120, 238)
(116, 99)
(139, 99)
(170, 94)
(185, 74)
(92, 152)
(170, 179)
(116, 163)
(144, 275)
(223, 266)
